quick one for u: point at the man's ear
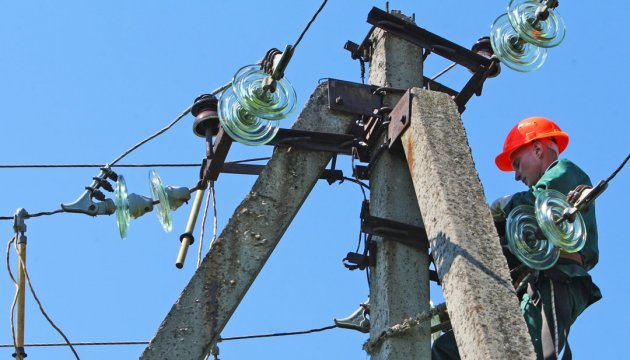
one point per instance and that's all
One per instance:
(538, 149)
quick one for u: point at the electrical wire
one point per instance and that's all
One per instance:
(278, 334)
(321, 7)
(113, 163)
(355, 155)
(41, 308)
(158, 133)
(43, 213)
(246, 337)
(49, 166)
(203, 225)
(46, 213)
(618, 168)
(214, 220)
(203, 221)
(358, 182)
(102, 343)
(8, 262)
(164, 129)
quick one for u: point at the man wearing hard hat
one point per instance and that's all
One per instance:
(552, 299)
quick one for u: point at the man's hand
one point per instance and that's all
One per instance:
(574, 195)
(497, 206)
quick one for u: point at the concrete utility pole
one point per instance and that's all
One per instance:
(399, 286)
(475, 278)
(203, 309)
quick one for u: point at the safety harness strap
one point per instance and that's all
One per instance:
(562, 315)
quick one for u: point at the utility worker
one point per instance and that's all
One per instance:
(531, 150)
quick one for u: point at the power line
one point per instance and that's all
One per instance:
(623, 163)
(53, 166)
(164, 129)
(321, 7)
(246, 337)
(103, 343)
(278, 334)
(42, 213)
(46, 166)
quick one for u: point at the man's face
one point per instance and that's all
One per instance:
(527, 164)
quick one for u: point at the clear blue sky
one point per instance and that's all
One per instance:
(82, 82)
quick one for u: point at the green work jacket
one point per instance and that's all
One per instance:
(563, 175)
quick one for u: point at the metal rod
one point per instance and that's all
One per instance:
(187, 237)
(21, 299)
(444, 71)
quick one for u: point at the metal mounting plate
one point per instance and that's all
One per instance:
(414, 236)
(399, 118)
(352, 97)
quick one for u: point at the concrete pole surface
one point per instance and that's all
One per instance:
(195, 322)
(481, 301)
(399, 286)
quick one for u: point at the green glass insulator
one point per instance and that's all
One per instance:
(547, 33)
(123, 219)
(249, 89)
(526, 241)
(569, 236)
(163, 208)
(243, 126)
(512, 50)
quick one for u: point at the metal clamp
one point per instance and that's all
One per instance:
(85, 205)
(358, 320)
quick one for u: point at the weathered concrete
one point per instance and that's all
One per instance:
(196, 320)
(400, 281)
(475, 278)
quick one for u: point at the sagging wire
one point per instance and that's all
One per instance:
(233, 338)
(303, 332)
(210, 196)
(164, 129)
(35, 297)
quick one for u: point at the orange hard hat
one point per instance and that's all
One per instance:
(526, 131)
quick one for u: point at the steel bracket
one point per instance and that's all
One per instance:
(411, 235)
(211, 167)
(315, 141)
(399, 118)
(480, 66)
(353, 98)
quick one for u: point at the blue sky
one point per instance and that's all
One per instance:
(82, 82)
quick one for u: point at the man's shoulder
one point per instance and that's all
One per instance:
(563, 165)
(563, 175)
